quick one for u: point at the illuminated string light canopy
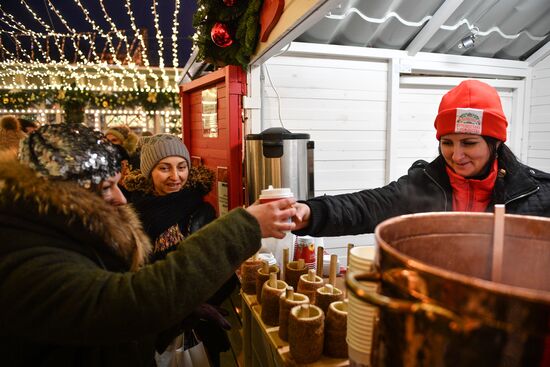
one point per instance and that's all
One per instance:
(91, 45)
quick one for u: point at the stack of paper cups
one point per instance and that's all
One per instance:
(361, 315)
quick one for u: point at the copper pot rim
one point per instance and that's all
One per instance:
(528, 294)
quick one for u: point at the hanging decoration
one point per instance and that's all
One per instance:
(234, 42)
(220, 35)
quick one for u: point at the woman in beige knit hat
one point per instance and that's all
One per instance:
(169, 199)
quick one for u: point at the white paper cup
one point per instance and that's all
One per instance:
(273, 194)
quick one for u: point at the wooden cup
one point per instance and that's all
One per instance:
(294, 270)
(308, 285)
(249, 272)
(306, 325)
(271, 292)
(287, 301)
(263, 276)
(326, 295)
(335, 344)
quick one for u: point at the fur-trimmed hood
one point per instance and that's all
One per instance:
(10, 133)
(117, 226)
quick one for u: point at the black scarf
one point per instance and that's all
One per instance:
(158, 213)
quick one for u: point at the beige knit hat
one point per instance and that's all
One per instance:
(158, 147)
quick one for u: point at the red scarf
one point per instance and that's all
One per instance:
(470, 195)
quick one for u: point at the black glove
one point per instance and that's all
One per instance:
(211, 314)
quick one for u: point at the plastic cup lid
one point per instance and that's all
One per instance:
(270, 192)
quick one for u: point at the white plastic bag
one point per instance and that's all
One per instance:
(194, 356)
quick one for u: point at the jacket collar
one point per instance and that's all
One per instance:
(436, 170)
(78, 210)
(518, 180)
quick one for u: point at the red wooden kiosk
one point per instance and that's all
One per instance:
(221, 151)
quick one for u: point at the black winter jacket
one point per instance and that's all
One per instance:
(426, 188)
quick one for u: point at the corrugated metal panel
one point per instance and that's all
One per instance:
(511, 29)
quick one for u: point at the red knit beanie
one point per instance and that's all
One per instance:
(472, 107)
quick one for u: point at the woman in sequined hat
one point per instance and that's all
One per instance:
(474, 171)
(75, 286)
(168, 195)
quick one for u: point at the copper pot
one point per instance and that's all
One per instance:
(437, 303)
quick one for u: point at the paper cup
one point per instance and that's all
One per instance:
(273, 194)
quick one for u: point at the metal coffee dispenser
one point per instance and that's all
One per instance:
(280, 158)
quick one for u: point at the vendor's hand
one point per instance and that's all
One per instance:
(212, 314)
(301, 219)
(274, 217)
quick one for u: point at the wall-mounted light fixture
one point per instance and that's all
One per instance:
(469, 41)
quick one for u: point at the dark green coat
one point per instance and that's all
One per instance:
(67, 295)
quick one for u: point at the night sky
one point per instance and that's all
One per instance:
(116, 9)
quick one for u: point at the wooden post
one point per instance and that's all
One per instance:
(285, 262)
(320, 252)
(498, 243)
(332, 273)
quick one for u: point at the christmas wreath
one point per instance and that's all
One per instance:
(227, 31)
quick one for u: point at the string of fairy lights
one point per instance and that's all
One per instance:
(175, 37)
(42, 111)
(159, 39)
(104, 59)
(108, 39)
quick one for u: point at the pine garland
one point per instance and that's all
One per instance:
(243, 20)
(74, 99)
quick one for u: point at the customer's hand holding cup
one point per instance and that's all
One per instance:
(273, 211)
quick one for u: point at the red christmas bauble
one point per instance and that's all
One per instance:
(220, 35)
(229, 2)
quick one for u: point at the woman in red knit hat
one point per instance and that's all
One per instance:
(474, 171)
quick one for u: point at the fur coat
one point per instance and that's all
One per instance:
(68, 295)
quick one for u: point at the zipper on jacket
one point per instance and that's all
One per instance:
(522, 195)
(438, 185)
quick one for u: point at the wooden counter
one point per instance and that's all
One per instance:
(262, 345)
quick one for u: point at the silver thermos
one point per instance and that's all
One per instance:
(279, 158)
